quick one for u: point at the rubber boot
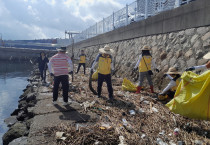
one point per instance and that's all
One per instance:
(138, 89)
(152, 89)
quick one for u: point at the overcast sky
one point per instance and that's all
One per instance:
(41, 19)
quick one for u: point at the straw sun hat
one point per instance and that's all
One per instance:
(207, 56)
(106, 50)
(172, 70)
(146, 48)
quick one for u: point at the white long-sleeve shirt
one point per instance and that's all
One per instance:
(139, 60)
(200, 67)
(171, 84)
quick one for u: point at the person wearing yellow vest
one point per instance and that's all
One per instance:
(207, 56)
(144, 63)
(82, 61)
(105, 68)
(170, 90)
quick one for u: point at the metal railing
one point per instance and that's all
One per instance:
(134, 12)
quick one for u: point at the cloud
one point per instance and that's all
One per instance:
(33, 19)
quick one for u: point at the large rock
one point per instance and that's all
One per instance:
(199, 54)
(202, 30)
(190, 32)
(20, 141)
(22, 104)
(206, 44)
(191, 62)
(180, 34)
(163, 55)
(21, 115)
(189, 53)
(206, 36)
(173, 61)
(178, 53)
(16, 131)
(31, 97)
(194, 38)
(197, 44)
(11, 120)
(15, 112)
(164, 62)
(202, 61)
(183, 40)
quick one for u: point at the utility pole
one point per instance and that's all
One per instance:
(71, 33)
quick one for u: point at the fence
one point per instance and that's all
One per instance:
(134, 12)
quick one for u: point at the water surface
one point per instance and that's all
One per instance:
(13, 79)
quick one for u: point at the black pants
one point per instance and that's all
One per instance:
(170, 94)
(83, 64)
(64, 80)
(107, 79)
(42, 73)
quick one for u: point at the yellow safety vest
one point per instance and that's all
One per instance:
(142, 65)
(82, 59)
(104, 64)
(177, 84)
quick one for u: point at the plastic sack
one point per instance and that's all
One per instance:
(95, 75)
(128, 86)
(192, 97)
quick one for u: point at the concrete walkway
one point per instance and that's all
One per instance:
(49, 115)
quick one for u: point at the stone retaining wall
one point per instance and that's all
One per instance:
(181, 49)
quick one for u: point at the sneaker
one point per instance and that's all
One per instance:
(65, 103)
(54, 102)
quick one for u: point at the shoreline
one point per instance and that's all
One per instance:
(20, 119)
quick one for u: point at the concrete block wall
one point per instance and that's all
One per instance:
(181, 49)
(179, 37)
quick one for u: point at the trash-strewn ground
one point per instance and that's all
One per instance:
(131, 119)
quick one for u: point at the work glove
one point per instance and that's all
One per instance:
(157, 70)
(51, 74)
(134, 69)
(190, 69)
(71, 72)
(177, 76)
(164, 76)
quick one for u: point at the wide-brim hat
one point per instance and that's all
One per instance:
(172, 71)
(61, 49)
(207, 56)
(146, 47)
(106, 50)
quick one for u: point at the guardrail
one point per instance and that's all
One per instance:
(134, 12)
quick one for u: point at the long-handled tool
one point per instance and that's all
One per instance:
(72, 75)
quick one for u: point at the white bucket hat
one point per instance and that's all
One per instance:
(106, 50)
(207, 56)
